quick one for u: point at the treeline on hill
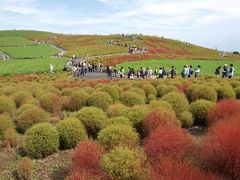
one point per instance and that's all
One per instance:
(125, 129)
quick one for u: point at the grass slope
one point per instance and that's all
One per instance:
(15, 42)
(207, 67)
(29, 52)
(27, 66)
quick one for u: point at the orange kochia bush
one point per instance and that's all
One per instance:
(224, 110)
(86, 162)
(220, 149)
(168, 141)
(159, 118)
(168, 168)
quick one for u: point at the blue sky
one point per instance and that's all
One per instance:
(210, 23)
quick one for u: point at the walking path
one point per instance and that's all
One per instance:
(4, 56)
(62, 51)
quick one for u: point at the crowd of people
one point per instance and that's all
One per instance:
(80, 68)
(132, 49)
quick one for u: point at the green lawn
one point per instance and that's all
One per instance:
(15, 42)
(207, 67)
(26, 66)
(28, 52)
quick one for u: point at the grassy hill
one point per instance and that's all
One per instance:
(37, 45)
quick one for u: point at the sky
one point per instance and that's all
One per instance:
(209, 23)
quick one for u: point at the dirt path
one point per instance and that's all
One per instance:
(4, 56)
(62, 51)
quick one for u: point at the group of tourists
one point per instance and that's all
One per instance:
(132, 49)
(226, 72)
(81, 68)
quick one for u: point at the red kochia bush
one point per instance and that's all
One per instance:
(159, 118)
(168, 141)
(220, 149)
(167, 168)
(87, 156)
(87, 175)
(223, 110)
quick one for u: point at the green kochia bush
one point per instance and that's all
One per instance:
(132, 98)
(178, 101)
(164, 89)
(21, 97)
(77, 100)
(120, 120)
(71, 132)
(93, 119)
(41, 140)
(118, 135)
(112, 91)
(100, 100)
(200, 110)
(186, 119)
(6, 105)
(5, 124)
(225, 92)
(116, 110)
(149, 89)
(204, 92)
(237, 91)
(123, 163)
(136, 116)
(29, 117)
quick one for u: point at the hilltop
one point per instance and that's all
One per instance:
(114, 48)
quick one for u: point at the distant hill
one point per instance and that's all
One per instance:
(114, 48)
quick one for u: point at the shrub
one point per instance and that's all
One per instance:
(71, 132)
(225, 92)
(223, 110)
(157, 118)
(162, 105)
(112, 91)
(186, 119)
(151, 97)
(87, 175)
(190, 90)
(11, 137)
(132, 98)
(164, 89)
(237, 92)
(115, 110)
(200, 110)
(93, 119)
(178, 101)
(101, 100)
(136, 116)
(118, 135)
(29, 117)
(21, 97)
(220, 151)
(5, 124)
(41, 140)
(168, 168)
(50, 102)
(204, 92)
(123, 163)
(77, 100)
(24, 168)
(168, 141)
(6, 105)
(149, 89)
(120, 120)
(137, 90)
(25, 107)
(87, 155)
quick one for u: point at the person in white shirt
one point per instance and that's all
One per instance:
(51, 68)
(197, 71)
